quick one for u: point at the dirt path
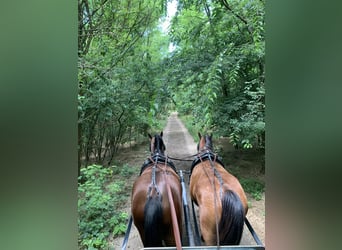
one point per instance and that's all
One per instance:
(180, 144)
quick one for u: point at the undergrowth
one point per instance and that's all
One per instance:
(99, 199)
(254, 187)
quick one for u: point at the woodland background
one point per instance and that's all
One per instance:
(209, 65)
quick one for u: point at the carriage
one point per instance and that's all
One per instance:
(160, 193)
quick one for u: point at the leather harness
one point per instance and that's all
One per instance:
(207, 155)
(157, 158)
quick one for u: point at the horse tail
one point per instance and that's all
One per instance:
(153, 217)
(232, 219)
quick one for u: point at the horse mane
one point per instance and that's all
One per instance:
(208, 142)
(158, 143)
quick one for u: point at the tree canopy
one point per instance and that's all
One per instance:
(129, 78)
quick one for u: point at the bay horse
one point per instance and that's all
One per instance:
(219, 195)
(151, 207)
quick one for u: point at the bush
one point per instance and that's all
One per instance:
(97, 207)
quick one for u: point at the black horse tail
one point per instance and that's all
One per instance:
(153, 217)
(232, 219)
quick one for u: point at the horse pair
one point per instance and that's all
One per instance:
(157, 198)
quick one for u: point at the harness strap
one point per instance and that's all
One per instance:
(215, 200)
(153, 181)
(208, 155)
(174, 220)
(205, 156)
(157, 158)
(217, 174)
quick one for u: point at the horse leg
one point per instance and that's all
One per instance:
(141, 231)
(207, 225)
(169, 238)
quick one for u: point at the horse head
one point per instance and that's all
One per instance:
(205, 142)
(157, 144)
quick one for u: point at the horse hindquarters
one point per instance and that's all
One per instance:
(232, 219)
(153, 217)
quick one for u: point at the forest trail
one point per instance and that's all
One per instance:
(180, 144)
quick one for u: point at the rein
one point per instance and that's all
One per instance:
(173, 210)
(182, 159)
(215, 197)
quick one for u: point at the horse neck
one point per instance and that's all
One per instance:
(158, 146)
(208, 143)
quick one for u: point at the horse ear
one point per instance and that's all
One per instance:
(199, 135)
(161, 134)
(149, 135)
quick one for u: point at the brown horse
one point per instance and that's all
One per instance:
(151, 206)
(219, 195)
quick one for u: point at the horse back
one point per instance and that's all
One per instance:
(145, 202)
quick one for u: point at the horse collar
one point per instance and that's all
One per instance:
(155, 159)
(203, 157)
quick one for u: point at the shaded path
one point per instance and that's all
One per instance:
(179, 143)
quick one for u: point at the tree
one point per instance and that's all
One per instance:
(128, 78)
(118, 62)
(219, 66)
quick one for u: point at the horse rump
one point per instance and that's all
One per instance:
(153, 217)
(232, 219)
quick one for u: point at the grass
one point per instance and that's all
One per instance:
(254, 187)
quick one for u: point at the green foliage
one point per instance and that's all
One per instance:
(217, 72)
(127, 171)
(98, 200)
(234, 138)
(253, 187)
(129, 81)
(121, 94)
